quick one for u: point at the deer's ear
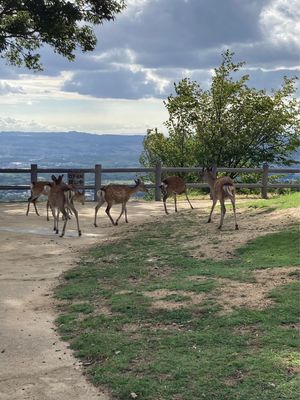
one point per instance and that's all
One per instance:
(137, 181)
(53, 177)
(59, 179)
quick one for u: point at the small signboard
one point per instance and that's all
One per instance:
(76, 179)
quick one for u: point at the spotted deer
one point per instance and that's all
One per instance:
(117, 194)
(173, 185)
(60, 197)
(221, 189)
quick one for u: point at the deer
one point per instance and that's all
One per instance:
(221, 189)
(117, 194)
(173, 185)
(37, 189)
(60, 199)
(42, 188)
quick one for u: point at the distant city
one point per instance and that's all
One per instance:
(65, 149)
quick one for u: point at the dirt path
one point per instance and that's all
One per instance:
(34, 363)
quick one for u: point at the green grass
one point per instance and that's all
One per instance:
(186, 353)
(281, 202)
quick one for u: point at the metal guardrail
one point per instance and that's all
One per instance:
(264, 185)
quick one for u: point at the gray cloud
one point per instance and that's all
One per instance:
(113, 84)
(171, 32)
(157, 42)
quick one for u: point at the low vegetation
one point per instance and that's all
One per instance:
(150, 320)
(279, 202)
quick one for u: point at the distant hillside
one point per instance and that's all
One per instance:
(65, 149)
(68, 149)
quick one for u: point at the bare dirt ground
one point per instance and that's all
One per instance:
(34, 363)
(220, 245)
(209, 243)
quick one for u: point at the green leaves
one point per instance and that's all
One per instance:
(64, 25)
(230, 124)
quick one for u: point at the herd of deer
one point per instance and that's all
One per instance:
(61, 197)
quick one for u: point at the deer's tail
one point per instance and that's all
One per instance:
(101, 193)
(163, 187)
(229, 190)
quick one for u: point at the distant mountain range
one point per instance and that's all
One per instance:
(68, 149)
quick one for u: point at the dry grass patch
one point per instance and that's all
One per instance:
(153, 327)
(163, 299)
(237, 377)
(252, 330)
(218, 245)
(234, 294)
(230, 294)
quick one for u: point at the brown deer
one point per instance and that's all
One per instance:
(221, 189)
(60, 199)
(117, 194)
(42, 188)
(173, 185)
(37, 189)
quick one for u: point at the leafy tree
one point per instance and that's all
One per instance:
(230, 124)
(25, 25)
(177, 149)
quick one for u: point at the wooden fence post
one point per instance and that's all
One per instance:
(157, 182)
(264, 181)
(98, 172)
(33, 173)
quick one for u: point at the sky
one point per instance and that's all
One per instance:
(120, 87)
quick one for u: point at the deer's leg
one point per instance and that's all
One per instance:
(101, 201)
(223, 212)
(36, 211)
(175, 201)
(234, 212)
(108, 213)
(65, 214)
(122, 211)
(75, 212)
(186, 195)
(69, 213)
(28, 206)
(55, 227)
(126, 220)
(212, 209)
(48, 205)
(165, 204)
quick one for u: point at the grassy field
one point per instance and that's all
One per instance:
(148, 319)
(277, 202)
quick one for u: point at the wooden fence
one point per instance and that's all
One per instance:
(98, 171)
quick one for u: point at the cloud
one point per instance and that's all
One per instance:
(13, 124)
(170, 32)
(151, 45)
(6, 88)
(129, 81)
(280, 22)
(168, 38)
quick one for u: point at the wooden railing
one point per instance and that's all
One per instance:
(98, 171)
